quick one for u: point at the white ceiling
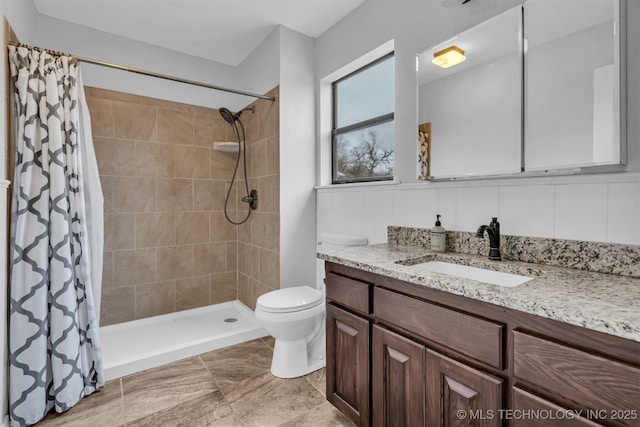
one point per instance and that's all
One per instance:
(225, 31)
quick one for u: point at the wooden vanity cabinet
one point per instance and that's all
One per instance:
(348, 338)
(400, 354)
(397, 380)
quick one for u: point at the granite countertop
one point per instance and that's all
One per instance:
(602, 302)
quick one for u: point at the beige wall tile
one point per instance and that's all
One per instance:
(222, 164)
(114, 156)
(267, 112)
(252, 126)
(272, 157)
(134, 267)
(258, 289)
(258, 166)
(189, 187)
(253, 262)
(131, 194)
(208, 128)
(106, 182)
(192, 227)
(192, 162)
(267, 194)
(243, 255)
(107, 269)
(221, 229)
(175, 127)
(174, 194)
(101, 111)
(134, 121)
(224, 287)
(245, 293)
(155, 229)
(154, 160)
(232, 256)
(273, 232)
(244, 232)
(210, 258)
(259, 229)
(175, 262)
(155, 299)
(133, 99)
(118, 305)
(192, 292)
(119, 231)
(208, 194)
(268, 268)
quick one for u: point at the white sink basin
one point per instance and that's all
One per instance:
(480, 274)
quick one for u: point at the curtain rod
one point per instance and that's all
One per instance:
(146, 73)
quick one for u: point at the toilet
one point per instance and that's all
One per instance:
(295, 317)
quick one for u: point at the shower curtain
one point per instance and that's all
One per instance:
(54, 349)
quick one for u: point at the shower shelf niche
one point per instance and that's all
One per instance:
(226, 147)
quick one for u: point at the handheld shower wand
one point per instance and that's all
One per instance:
(251, 197)
(230, 117)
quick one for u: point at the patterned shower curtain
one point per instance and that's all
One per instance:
(54, 350)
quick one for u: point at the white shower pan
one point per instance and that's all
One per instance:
(137, 345)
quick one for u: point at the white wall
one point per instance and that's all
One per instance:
(601, 207)
(35, 29)
(297, 159)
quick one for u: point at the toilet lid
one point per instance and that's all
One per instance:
(290, 299)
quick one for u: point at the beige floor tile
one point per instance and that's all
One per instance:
(325, 415)
(269, 401)
(236, 368)
(318, 379)
(230, 387)
(102, 408)
(206, 410)
(165, 387)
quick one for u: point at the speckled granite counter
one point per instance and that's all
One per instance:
(602, 302)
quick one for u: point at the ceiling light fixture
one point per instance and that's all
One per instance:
(448, 57)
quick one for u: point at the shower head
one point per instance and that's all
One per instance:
(230, 117)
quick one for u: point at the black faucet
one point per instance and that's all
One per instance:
(493, 230)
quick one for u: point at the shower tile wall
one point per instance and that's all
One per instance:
(167, 244)
(259, 238)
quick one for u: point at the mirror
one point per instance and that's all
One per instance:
(572, 84)
(570, 92)
(473, 109)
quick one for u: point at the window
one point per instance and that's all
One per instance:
(362, 134)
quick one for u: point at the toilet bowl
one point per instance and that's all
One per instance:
(295, 317)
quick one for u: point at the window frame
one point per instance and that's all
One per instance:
(336, 132)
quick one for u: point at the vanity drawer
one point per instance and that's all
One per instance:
(350, 293)
(593, 381)
(468, 335)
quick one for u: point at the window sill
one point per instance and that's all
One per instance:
(357, 184)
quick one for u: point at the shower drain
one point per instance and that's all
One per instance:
(230, 320)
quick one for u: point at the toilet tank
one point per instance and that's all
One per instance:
(331, 240)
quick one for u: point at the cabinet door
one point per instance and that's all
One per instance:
(458, 395)
(348, 364)
(533, 411)
(397, 373)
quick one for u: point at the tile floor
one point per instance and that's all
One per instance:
(227, 387)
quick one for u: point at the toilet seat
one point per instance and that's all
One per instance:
(289, 300)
